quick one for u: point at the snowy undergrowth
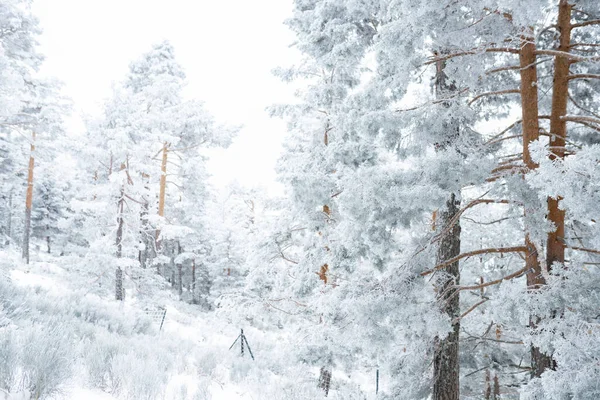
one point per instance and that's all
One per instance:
(62, 340)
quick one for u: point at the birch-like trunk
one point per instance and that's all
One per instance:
(147, 241)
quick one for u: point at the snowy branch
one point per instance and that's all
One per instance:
(586, 23)
(471, 309)
(456, 217)
(563, 54)
(494, 282)
(496, 93)
(584, 76)
(494, 250)
(472, 52)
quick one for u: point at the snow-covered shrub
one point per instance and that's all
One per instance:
(93, 310)
(9, 355)
(98, 357)
(206, 361)
(46, 359)
(141, 372)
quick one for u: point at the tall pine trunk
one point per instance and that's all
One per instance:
(446, 379)
(555, 249)
(28, 202)
(162, 189)
(531, 132)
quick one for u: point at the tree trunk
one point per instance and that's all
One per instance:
(488, 385)
(144, 237)
(28, 201)
(180, 280)
(162, 189)
(555, 249)
(9, 219)
(193, 290)
(496, 387)
(48, 244)
(446, 379)
(119, 243)
(119, 284)
(120, 223)
(531, 132)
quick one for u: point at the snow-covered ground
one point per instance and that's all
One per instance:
(66, 333)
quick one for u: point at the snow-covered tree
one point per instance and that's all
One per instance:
(149, 161)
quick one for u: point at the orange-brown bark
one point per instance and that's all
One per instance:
(555, 249)
(163, 181)
(163, 188)
(29, 197)
(28, 201)
(531, 133)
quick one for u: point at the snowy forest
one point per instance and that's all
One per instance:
(437, 235)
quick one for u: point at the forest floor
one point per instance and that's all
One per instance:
(74, 341)
(193, 344)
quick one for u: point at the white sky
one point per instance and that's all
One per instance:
(227, 47)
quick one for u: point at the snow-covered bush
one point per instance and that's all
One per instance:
(9, 356)
(141, 372)
(46, 359)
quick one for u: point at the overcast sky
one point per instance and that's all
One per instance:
(227, 47)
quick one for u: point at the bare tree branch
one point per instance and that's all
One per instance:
(496, 93)
(583, 76)
(494, 282)
(494, 250)
(586, 23)
(471, 309)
